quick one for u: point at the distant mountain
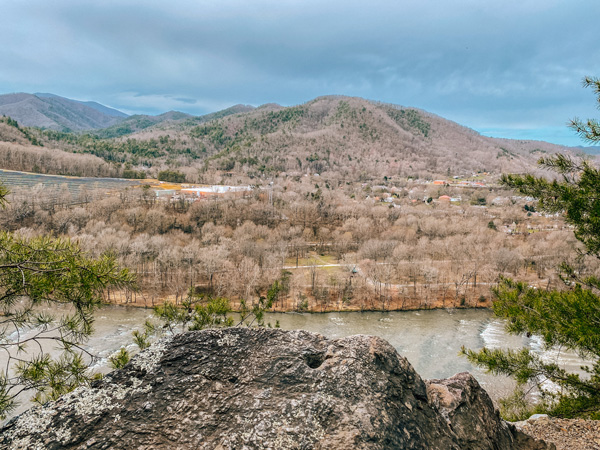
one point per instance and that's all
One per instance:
(171, 115)
(235, 109)
(593, 150)
(57, 113)
(50, 111)
(139, 122)
(347, 138)
(97, 106)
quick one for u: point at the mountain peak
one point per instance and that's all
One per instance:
(46, 110)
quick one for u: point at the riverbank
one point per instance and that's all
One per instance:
(311, 304)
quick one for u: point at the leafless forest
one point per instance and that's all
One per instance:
(332, 248)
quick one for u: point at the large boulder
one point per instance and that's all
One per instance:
(471, 415)
(241, 388)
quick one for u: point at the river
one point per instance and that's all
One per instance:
(430, 340)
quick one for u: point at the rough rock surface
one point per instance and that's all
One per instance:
(566, 434)
(243, 388)
(471, 415)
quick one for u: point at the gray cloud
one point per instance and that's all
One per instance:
(512, 65)
(189, 101)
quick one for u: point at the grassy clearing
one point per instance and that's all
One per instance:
(312, 259)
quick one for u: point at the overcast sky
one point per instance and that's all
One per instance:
(510, 68)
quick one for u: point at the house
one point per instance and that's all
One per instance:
(444, 198)
(440, 182)
(215, 190)
(164, 193)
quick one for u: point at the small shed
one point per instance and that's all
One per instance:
(164, 193)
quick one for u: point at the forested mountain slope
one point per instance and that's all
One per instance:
(342, 138)
(58, 113)
(348, 138)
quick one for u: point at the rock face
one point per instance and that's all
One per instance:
(242, 388)
(470, 414)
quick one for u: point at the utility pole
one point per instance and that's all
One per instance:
(270, 193)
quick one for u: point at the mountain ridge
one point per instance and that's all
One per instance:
(50, 111)
(55, 112)
(337, 132)
(95, 105)
(346, 138)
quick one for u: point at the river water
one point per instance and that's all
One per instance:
(430, 340)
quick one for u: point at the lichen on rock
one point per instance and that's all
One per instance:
(266, 389)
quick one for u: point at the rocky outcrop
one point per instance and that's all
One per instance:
(471, 415)
(242, 388)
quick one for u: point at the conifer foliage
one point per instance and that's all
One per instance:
(570, 317)
(49, 290)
